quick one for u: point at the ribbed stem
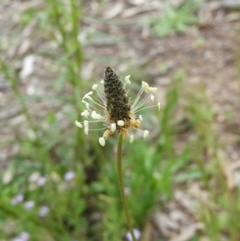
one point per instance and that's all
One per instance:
(120, 182)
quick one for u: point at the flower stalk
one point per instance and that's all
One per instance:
(119, 114)
(120, 183)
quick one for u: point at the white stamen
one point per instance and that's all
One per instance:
(127, 79)
(102, 141)
(98, 116)
(102, 81)
(159, 105)
(89, 97)
(145, 134)
(140, 117)
(113, 127)
(153, 89)
(152, 98)
(78, 124)
(85, 113)
(85, 123)
(120, 123)
(94, 87)
(87, 105)
(131, 139)
(95, 115)
(145, 86)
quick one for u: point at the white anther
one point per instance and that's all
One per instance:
(85, 113)
(87, 106)
(94, 115)
(102, 141)
(131, 139)
(98, 116)
(145, 86)
(145, 134)
(89, 97)
(85, 123)
(120, 123)
(159, 105)
(140, 117)
(127, 79)
(78, 124)
(94, 87)
(86, 130)
(153, 89)
(152, 98)
(113, 127)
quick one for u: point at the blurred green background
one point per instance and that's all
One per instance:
(182, 182)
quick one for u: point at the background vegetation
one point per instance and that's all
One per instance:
(58, 184)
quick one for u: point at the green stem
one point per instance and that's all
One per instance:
(11, 76)
(120, 182)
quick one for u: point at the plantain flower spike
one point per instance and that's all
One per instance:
(114, 108)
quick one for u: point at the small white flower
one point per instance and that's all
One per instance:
(24, 236)
(120, 123)
(17, 239)
(68, 176)
(43, 211)
(136, 232)
(34, 177)
(126, 191)
(17, 199)
(102, 141)
(29, 205)
(41, 181)
(7, 177)
(145, 134)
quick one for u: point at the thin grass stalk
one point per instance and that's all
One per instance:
(120, 182)
(11, 78)
(71, 46)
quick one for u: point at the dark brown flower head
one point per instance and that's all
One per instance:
(117, 102)
(114, 109)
